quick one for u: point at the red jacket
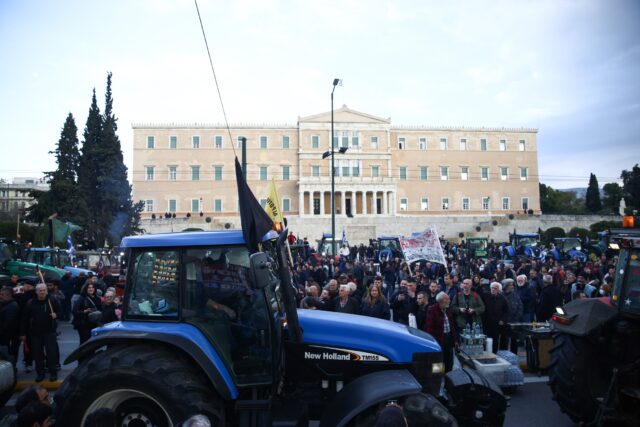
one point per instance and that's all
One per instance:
(435, 323)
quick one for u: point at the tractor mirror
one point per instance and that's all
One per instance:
(261, 270)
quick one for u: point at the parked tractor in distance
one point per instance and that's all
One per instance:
(595, 362)
(566, 249)
(210, 328)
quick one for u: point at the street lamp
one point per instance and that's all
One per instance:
(332, 153)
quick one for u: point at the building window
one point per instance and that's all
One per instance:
(465, 204)
(217, 205)
(525, 204)
(464, 173)
(444, 173)
(424, 203)
(263, 173)
(315, 141)
(148, 205)
(504, 173)
(285, 142)
(263, 142)
(195, 141)
(443, 143)
(374, 142)
(424, 173)
(173, 142)
(286, 205)
(172, 205)
(484, 173)
(401, 143)
(485, 203)
(239, 141)
(355, 168)
(195, 173)
(375, 171)
(483, 144)
(404, 203)
(505, 203)
(217, 173)
(345, 169)
(151, 141)
(503, 145)
(217, 141)
(173, 173)
(355, 139)
(195, 205)
(315, 170)
(149, 173)
(345, 138)
(445, 203)
(523, 174)
(522, 145)
(422, 143)
(335, 139)
(285, 173)
(403, 173)
(463, 144)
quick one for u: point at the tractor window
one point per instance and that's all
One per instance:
(220, 302)
(630, 299)
(154, 285)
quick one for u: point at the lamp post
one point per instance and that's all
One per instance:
(333, 182)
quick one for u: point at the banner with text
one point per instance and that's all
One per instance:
(425, 246)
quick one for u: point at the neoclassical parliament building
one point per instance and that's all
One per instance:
(387, 170)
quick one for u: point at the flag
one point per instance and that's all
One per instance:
(272, 206)
(255, 221)
(70, 249)
(344, 237)
(426, 247)
(61, 229)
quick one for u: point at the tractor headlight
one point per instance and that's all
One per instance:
(437, 368)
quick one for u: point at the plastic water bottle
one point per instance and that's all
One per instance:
(412, 320)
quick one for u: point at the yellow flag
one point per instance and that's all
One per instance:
(273, 204)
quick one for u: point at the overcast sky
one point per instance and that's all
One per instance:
(569, 68)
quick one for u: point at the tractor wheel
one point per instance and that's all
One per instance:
(578, 376)
(142, 384)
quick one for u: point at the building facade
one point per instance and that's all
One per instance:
(387, 170)
(14, 196)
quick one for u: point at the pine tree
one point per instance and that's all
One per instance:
(89, 169)
(592, 199)
(612, 195)
(631, 186)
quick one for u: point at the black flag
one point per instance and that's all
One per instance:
(255, 221)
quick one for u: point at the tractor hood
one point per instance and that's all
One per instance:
(364, 335)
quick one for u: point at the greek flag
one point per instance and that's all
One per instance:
(71, 249)
(344, 236)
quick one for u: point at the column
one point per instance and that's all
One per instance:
(301, 203)
(343, 204)
(322, 212)
(394, 203)
(310, 202)
(384, 203)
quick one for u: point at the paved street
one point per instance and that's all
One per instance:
(531, 404)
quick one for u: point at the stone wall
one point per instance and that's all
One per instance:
(361, 229)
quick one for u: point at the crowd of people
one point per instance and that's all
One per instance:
(30, 313)
(486, 292)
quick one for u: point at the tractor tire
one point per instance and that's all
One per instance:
(144, 385)
(578, 376)
(8, 376)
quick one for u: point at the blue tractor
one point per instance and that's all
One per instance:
(524, 245)
(566, 249)
(388, 248)
(210, 328)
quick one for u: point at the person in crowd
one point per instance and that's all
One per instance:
(550, 298)
(344, 303)
(23, 293)
(515, 314)
(527, 292)
(441, 325)
(422, 299)
(374, 304)
(581, 285)
(39, 320)
(324, 302)
(9, 322)
(66, 286)
(308, 303)
(448, 286)
(434, 289)
(35, 414)
(496, 314)
(467, 306)
(197, 421)
(332, 287)
(87, 303)
(403, 301)
(109, 308)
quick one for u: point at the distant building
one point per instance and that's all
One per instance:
(14, 196)
(387, 171)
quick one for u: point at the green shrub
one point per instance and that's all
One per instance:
(551, 233)
(579, 232)
(604, 225)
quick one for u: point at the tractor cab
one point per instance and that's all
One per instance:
(388, 248)
(568, 248)
(523, 244)
(626, 288)
(478, 247)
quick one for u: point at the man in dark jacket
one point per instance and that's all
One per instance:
(527, 293)
(550, 298)
(496, 314)
(403, 302)
(39, 318)
(9, 322)
(344, 303)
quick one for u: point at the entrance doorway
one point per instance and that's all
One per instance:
(347, 208)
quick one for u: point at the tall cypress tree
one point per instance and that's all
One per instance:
(592, 199)
(89, 170)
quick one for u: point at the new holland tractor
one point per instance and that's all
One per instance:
(595, 362)
(210, 328)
